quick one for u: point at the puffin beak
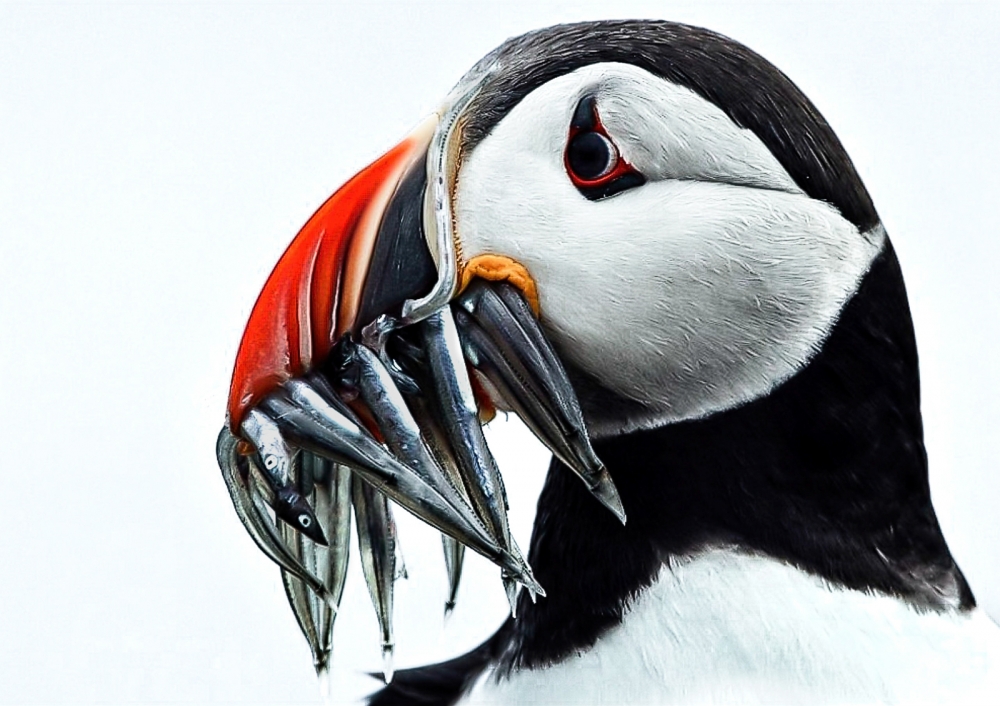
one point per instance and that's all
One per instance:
(313, 296)
(373, 347)
(302, 382)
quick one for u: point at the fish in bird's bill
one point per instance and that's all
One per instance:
(370, 363)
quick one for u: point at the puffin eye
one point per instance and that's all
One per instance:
(591, 155)
(593, 162)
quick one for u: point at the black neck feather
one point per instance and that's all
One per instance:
(828, 473)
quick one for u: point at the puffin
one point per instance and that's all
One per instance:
(644, 240)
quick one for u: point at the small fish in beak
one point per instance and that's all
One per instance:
(328, 486)
(452, 392)
(377, 541)
(275, 458)
(501, 339)
(242, 481)
(352, 387)
(454, 558)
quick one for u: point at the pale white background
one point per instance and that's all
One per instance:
(154, 162)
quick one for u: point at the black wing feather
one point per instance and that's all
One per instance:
(441, 684)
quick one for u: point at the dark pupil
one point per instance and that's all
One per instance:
(589, 155)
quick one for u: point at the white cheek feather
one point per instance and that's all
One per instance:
(694, 293)
(732, 628)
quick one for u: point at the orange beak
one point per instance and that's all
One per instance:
(314, 294)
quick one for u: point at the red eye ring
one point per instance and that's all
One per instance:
(583, 156)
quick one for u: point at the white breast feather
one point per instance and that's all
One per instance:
(730, 628)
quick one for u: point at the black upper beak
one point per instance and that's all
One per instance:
(401, 266)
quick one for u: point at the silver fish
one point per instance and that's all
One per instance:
(320, 424)
(254, 515)
(331, 495)
(275, 460)
(377, 541)
(454, 556)
(459, 417)
(502, 339)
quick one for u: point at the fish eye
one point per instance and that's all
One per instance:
(590, 156)
(305, 521)
(270, 462)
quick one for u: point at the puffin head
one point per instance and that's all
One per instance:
(692, 224)
(647, 242)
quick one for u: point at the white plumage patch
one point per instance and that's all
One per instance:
(732, 628)
(695, 292)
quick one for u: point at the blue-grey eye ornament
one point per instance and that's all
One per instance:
(368, 366)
